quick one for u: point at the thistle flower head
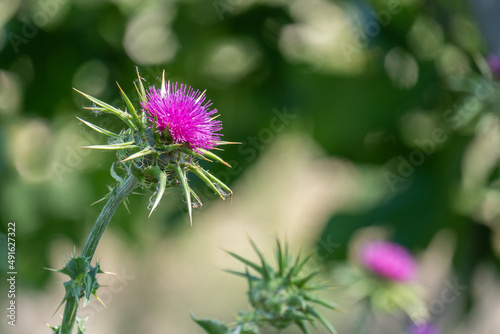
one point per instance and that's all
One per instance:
(184, 115)
(388, 260)
(165, 142)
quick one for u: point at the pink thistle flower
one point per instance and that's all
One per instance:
(388, 260)
(426, 328)
(185, 114)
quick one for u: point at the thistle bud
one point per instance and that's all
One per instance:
(280, 296)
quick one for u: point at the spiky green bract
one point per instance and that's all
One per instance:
(152, 155)
(83, 279)
(280, 296)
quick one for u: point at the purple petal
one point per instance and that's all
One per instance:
(185, 114)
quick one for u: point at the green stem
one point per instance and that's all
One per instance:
(117, 196)
(366, 322)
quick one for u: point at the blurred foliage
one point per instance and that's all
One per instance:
(370, 81)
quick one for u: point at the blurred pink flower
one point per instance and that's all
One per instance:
(494, 63)
(185, 115)
(388, 260)
(426, 328)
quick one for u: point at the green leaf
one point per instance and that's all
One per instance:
(199, 172)
(303, 326)
(281, 258)
(320, 301)
(141, 153)
(298, 266)
(91, 284)
(196, 198)
(235, 330)
(99, 129)
(162, 183)
(223, 142)
(55, 329)
(135, 117)
(219, 182)
(195, 154)
(124, 116)
(112, 147)
(247, 262)
(74, 289)
(80, 325)
(267, 271)
(245, 275)
(187, 193)
(168, 148)
(322, 319)
(140, 90)
(210, 326)
(75, 267)
(213, 156)
(114, 174)
(301, 282)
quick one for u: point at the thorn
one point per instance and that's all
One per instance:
(211, 119)
(137, 89)
(100, 301)
(163, 91)
(199, 98)
(126, 206)
(121, 90)
(136, 193)
(99, 200)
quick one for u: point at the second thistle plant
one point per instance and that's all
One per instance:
(280, 296)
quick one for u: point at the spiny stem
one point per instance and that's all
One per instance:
(116, 198)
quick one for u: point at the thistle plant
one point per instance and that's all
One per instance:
(382, 279)
(164, 140)
(280, 297)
